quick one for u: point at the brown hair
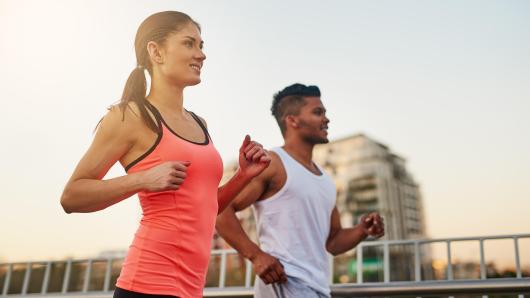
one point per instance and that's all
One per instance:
(157, 28)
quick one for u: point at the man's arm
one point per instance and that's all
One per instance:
(341, 240)
(268, 268)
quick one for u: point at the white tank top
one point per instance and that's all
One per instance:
(293, 225)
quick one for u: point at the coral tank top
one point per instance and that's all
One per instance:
(171, 249)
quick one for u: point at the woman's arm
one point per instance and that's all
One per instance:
(86, 192)
(253, 159)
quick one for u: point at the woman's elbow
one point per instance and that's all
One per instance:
(66, 202)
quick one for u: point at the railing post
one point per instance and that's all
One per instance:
(248, 273)
(417, 261)
(27, 275)
(222, 270)
(449, 261)
(66, 279)
(7, 281)
(517, 259)
(88, 271)
(108, 273)
(360, 264)
(482, 261)
(330, 267)
(386, 264)
(46, 280)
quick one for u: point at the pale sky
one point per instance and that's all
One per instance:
(445, 84)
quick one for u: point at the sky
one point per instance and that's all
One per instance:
(445, 84)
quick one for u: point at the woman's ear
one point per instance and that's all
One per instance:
(155, 52)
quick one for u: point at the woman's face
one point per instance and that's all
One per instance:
(182, 57)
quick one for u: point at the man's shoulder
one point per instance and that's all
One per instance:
(275, 173)
(275, 166)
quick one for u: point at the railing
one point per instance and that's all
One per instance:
(96, 277)
(448, 242)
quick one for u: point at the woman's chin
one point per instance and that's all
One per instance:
(193, 82)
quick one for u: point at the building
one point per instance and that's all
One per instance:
(370, 177)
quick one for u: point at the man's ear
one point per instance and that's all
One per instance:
(291, 120)
(155, 52)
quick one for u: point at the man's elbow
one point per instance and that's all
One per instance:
(333, 253)
(332, 250)
(223, 212)
(221, 219)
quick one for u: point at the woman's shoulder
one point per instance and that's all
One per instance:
(122, 119)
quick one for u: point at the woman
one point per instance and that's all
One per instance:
(170, 162)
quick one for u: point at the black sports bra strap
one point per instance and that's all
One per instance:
(154, 110)
(200, 124)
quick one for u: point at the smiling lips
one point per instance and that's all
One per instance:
(197, 67)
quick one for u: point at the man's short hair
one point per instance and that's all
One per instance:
(289, 101)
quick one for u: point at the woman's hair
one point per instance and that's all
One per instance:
(157, 28)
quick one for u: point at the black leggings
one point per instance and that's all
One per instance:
(122, 293)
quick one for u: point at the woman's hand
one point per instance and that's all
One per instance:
(253, 159)
(166, 176)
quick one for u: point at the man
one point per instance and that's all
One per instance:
(294, 204)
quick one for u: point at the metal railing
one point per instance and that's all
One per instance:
(448, 242)
(96, 277)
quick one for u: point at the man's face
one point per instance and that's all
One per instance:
(311, 122)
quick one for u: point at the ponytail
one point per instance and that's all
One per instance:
(157, 28)
(135, 89)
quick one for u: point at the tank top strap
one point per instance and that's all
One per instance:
(156, 113)
(292, 165)
(159, 133)
(204, 129)
(284, 157)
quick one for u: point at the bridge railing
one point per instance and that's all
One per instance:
(232, 275)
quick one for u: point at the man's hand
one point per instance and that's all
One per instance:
(373, 225)
(268, 268)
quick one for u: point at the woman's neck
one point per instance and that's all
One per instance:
(167, 96)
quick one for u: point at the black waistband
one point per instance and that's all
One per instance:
(122, 293)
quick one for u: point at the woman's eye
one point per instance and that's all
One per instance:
(188, 43)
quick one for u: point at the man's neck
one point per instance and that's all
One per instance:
(301, 151)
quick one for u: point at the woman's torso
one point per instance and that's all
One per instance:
(171, 249)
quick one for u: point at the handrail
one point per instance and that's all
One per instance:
(385, 287)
